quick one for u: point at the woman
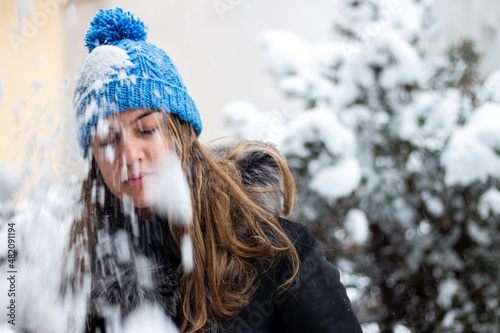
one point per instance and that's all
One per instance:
(251, 269)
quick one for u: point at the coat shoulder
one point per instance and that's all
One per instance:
(317, 303)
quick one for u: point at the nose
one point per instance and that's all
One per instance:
(132, 150)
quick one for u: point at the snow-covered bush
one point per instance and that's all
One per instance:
(397, 161)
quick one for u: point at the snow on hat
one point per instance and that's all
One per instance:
(125, 72)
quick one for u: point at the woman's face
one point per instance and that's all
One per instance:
(126, 147)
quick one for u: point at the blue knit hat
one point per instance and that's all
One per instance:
(124, 72)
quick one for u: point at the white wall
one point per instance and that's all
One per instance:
(475, 19)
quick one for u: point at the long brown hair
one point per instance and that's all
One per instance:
(233, 227)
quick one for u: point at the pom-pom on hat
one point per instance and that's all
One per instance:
(125, 72)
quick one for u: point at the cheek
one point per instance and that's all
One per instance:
(108, 174)
(109, 171)
(165, 146)
(156, 152)
(158, 149)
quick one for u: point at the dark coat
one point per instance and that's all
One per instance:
(318, 303)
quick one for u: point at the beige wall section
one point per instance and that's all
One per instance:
(32, 67)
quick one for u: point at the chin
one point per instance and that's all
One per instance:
(136, 197)
(136, 200)
(141, 203)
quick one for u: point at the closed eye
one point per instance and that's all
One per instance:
(109, 142)
(145, 132)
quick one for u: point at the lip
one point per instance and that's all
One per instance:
(137, 180)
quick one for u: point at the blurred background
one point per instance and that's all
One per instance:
(388, 112)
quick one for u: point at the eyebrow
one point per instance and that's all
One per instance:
(145, 114)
